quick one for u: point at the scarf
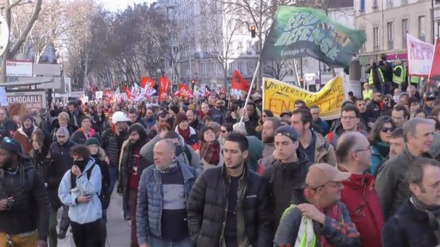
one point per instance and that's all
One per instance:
(210, 152)
(184, 133)
(29, 131)
(334, 212)
(169, 168)
(433, 215)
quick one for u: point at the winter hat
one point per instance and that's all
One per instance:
(93, 140)
(12, 146)
(180, 117)
(63, 131)
(287, 131)
(175, 109)
(27, 117)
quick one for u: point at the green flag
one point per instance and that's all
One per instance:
(308, 32)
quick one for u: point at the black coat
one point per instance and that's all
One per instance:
(208, 203)
(408, 228)
(373, 112)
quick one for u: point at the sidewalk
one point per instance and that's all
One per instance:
(118, 230)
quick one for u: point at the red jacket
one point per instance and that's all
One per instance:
(363, 203)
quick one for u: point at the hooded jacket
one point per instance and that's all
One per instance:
(286, 183)
(83, 213)
(182, 158)
(24, 139)
(363, 204)
(31, 209)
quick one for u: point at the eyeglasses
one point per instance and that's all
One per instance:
(384, 129)
(363, 150)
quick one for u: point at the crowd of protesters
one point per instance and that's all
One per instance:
(191, 174)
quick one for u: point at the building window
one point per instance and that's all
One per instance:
(362, 7)
(374, 4)
(389, 4)
(421, 28)
(404, 31)
(376, 38)
(390, 35)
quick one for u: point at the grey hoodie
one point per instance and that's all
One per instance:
(147, 153)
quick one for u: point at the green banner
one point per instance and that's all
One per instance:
(307, 32)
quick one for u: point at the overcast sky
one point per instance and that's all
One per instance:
(115, 5)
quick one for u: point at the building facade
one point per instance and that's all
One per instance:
(386, 22)
(209, 44)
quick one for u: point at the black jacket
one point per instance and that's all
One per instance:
(408, 228)
(31, 208)
(208, 203)
(286, 183)
(373, 112)
(61, 161)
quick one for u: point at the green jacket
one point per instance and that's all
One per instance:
(390, 184)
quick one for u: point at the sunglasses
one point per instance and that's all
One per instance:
(387, 129)
(224, 131)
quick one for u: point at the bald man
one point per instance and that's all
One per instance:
(162, 193)
(353, 152)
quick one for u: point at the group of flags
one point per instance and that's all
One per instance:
(148, 87)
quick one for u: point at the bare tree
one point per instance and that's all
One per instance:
(14, 46)
(220, 25)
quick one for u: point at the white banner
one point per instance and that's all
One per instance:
(420, 55)
(19, 68)
(99, 94)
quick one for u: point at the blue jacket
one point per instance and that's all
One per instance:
(376, 156)
(84, 212)
(150, 197)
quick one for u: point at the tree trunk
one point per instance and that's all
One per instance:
(225, 75)
(11, 51)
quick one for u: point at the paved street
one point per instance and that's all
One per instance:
(118, 230)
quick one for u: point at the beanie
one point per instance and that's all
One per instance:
(27, 117)
(93, 140)
(180, 117)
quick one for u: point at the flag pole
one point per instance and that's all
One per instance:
(250, 89)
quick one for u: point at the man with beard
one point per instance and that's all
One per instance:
(150, 121)
(217, 113)
(75, 114)
(194, 121)
(287, 174)
(130, 172)
(316, 148)
(24, 133)
(24, 205)
(362, 107)
(229, 205)
(112, 140)
(267, 135)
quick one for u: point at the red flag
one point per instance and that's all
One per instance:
(147, 82)
(223, 89)
(434, 73)
(239, 83)
(185, 91)
(128, 92)
(165, 86)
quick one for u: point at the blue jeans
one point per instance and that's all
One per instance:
(156, 242)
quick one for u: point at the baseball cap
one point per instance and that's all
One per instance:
(12, 146)
(322, 173)
(287, 131)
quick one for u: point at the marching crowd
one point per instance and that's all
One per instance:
(191, 174)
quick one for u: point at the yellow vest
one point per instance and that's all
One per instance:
(415, 79)
(367, 94)
(401, 78)
(370, 77)
(306, 236)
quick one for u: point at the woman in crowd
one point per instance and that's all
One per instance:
(186, 131)
(380, 141)
(210, 149)
(39, 153)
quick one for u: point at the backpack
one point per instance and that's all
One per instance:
(104, 195)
